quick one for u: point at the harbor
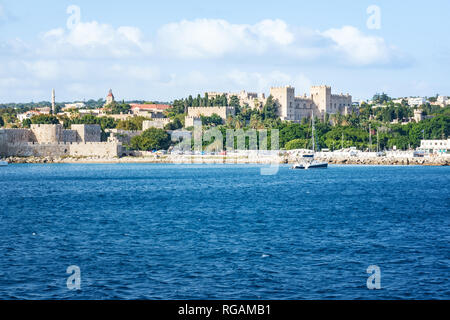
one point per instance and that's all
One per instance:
(349, 157)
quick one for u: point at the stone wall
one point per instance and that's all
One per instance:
(96, 149)
(123, 136)
(191, 121)
(47, 133)
(15, 135)
(88, 132)
(31, 149)
(70, 136)
(223, 112)
(157, 123)
(53, 141)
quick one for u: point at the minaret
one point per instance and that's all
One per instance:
(53, 102)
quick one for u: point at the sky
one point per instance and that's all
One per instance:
(165, 50)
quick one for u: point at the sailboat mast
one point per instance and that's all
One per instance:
(378, 142)
(312, 133)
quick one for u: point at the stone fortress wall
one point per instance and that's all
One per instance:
(252, 99)
(156, 123)
(195, 113)
(123, 136)
(51, 140)
(223, 112)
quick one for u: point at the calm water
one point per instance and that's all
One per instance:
(210, 232)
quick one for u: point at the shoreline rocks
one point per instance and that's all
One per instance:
(231, 159)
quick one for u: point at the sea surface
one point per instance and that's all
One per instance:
(145, 231)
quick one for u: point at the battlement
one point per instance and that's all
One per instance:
(223, 112)
(321, 87)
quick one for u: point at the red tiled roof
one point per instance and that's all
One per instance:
(150, 106)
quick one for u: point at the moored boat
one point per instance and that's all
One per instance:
(308, 161)
(311, 165)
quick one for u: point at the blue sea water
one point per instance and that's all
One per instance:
(143, 231)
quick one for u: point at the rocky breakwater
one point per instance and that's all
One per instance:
(387, 159)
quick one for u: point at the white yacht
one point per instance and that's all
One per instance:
(307, 161)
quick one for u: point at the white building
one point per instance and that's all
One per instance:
(435, 146)
(76, 105)
(416, 101)
(399, 100)
(28, 115)
(443, 100)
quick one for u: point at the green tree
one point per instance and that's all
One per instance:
(381, 98)
(174, 125)
(234, 102)
(44, 119)
(298, 144)
(151, 139)
(2, 123)
(270, 109)
(118, 108)
(26, 123)
(214, 119)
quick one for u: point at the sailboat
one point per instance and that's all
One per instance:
(307, 161)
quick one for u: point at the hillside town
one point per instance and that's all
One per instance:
(113, 130)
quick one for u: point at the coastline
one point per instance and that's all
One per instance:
(341, 159)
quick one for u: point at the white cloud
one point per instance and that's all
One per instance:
(4, 16)
(357, 48)
(92, 39)
(63, 58)
(213, 38)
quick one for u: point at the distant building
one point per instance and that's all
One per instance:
(252, 99)
(399, 100)
(416, 101)
(157, 123)
(109, 98)
(320, 102)
(152, 110)
(44, 110)
(418, 115)
(195, 113)
(28, 115)
(53, 102)
(435, 146)
(76, 105)
(441, 101)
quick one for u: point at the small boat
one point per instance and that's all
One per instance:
(3, 163)
(308, 161)
(310, 165)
